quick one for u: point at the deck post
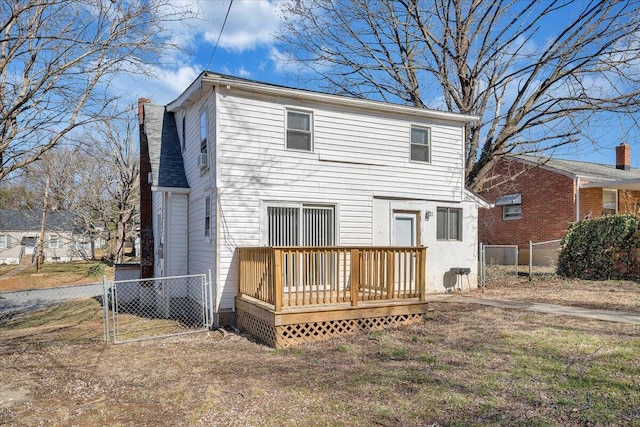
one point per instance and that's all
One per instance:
(240, 272)
(422, 274)
(390, 273)
(355, 276)
(277, 276)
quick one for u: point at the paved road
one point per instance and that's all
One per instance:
(587, 313)
(11, 302)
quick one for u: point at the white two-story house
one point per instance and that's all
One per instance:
(236, 163)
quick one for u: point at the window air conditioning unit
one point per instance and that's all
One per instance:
(202, 160)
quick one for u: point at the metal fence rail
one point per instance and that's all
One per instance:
(159, 307)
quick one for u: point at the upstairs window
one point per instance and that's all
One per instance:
(5, 241)
(301, 225)
(420, 144)
(184, 132)
(299, 135)
(449, 224)
(203, 132)
(609, 202)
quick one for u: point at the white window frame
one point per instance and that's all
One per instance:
(511, 212)
(207, 216)
(299, 131)
(615, 193)
(53, 241)
(412, 143)
(5, 240)
(459, 231)
(300, 207)
(204, 132)
(184, 132)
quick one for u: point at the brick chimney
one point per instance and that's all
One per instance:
(623, 156)
(146, 211)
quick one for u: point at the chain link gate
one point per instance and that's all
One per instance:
(157, 307)
(498, 263)
(543, 257)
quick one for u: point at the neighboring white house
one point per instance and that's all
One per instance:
(239, 163)
(20, 234)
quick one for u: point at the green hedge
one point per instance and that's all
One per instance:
(601, 248)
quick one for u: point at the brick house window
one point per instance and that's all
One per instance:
(609, 202)
(511, 206)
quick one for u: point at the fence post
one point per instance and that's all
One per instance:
(530, 259)
(482, 264)
(105, 305)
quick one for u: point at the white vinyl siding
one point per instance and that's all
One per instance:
(356, 156)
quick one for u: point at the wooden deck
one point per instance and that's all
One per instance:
(291, 295)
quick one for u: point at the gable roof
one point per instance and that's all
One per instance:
(583, 170)
(216, 79)
(165, 154)
(24, 220)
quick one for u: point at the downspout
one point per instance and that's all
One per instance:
(577, 199)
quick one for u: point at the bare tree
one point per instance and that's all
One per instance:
(537, 73)
(96, 182)
(57, 59)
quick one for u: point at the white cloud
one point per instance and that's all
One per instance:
(251, 23)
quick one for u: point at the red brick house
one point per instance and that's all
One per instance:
(537, 199)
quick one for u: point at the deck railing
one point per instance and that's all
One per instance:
(300, 276)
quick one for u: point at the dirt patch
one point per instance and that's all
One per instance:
(54, 275)
(465, 365)
(606, 295)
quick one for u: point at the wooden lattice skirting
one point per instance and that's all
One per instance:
(262, 327)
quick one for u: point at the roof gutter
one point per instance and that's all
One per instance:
(230, 82)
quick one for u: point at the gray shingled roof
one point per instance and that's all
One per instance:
(165, 153)
(585, 170)
(19, 220)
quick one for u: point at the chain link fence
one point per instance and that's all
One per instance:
(506, 263)
(159, 307)
(112, 311)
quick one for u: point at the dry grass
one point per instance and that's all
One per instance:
(466, 365)
(55, 274)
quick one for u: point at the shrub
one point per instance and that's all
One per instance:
(601, 248)
(96, 270)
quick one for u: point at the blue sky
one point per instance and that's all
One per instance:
(247, 49)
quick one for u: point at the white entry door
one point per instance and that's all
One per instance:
(405, 229)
